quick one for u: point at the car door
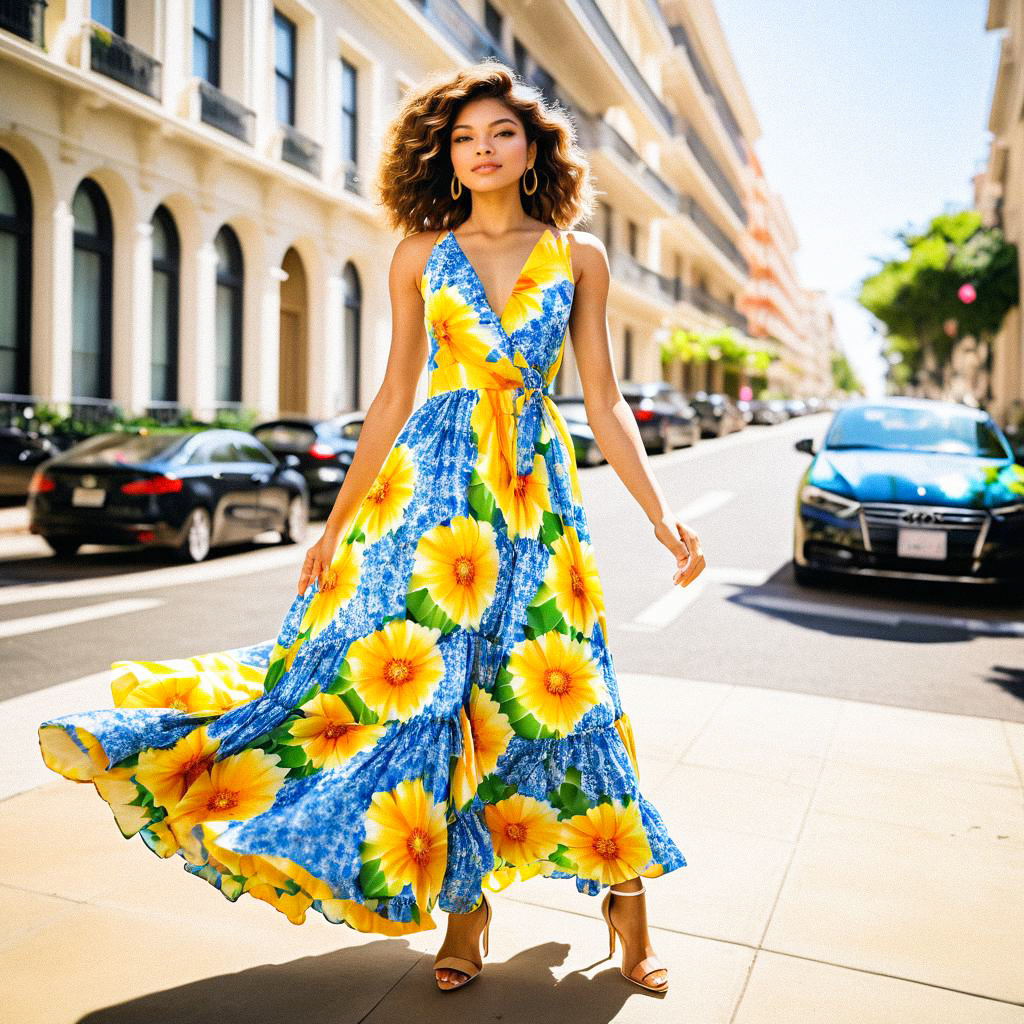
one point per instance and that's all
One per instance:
(237, 515)
(263, 468)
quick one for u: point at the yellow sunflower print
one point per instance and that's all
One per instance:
(329, 733)
(383, 507)
(572, 577)
(522, 829)
(338, 583)
(608, 842)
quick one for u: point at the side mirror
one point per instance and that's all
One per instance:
(805, 444)
(291, 461)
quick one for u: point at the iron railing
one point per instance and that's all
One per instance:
(628, 268)
(460, 27)
(300, 150)
(113, 56)
(225, 114)
(24, 18)
(692, 209)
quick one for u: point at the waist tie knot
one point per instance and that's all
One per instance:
(531, 395)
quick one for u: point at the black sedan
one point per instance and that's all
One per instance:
(324, 449)
(574, 412)
(666, 420)
(911, 488)
(719, 415)
(188, 492)
(21, 451)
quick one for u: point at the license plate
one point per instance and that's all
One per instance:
(88, 497)
(921, 544)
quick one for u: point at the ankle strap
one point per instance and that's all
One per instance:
(635, 892)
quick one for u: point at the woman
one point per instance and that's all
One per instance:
(439, 712)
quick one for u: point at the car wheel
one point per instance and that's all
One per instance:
(296, 521)
(806, 577)
(195, 545)
(666, 439)
(63, 547)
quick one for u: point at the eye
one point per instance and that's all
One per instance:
(461, 138)
(506, 131)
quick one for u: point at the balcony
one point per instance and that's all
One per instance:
(713, 170)
(224, 113)
(640, 85)
(681, 38)
(115, 57)
(626, 268)
(24, 18)
(350, 176)
(704, 300)
(596, 133)
(692, 209)
(300, 151)
(455, 23)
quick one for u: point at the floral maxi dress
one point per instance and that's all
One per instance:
(439, 713)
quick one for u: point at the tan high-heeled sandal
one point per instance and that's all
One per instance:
(649, 965)
(458, 963)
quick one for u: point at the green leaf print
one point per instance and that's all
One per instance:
(291, 757)
(569, 800)
(481, 501)
(273, 676)
(493, 789)
(551, 528)
(545, 617)
(421, 608)
(372, 881)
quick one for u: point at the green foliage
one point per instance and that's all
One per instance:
(718, 346)
(844, 377)
(915, 296)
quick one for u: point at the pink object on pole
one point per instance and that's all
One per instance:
(746, 393)
(966, 292)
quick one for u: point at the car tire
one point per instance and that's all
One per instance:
(63, 547)
(197, 535)
(806, 577)
(296, 521)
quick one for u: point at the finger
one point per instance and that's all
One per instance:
(693, 572)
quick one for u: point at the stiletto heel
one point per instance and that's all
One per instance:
(461, 964)
(648, 964)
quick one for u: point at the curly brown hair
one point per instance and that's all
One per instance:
(414, 179)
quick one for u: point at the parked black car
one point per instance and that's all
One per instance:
(324, 449)
(718, 414)
(666, 420)
(190, 492)
(574, 412)
(911, 488)
(767, 412)
(21, 451)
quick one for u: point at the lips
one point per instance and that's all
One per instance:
(486, 167)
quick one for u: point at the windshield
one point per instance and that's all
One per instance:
(892, 428)
(124, 449)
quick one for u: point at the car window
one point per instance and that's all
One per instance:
(286, 435)
(350, 430)
(914, 429)
(124, 449)
(250, 451)
(213, 449)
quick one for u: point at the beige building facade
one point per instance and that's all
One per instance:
(999, 196)
(186, 219)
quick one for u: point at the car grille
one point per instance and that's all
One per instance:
(963, 526)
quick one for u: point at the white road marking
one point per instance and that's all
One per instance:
(54, 620)
(887, 618)
(669, 606)
(151, 579)
(704, 504)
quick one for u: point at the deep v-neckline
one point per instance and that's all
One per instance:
(515, 287)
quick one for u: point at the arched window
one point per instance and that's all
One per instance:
(92, 282)
(15, 277)
(353, 319)
(166, 273)
(230, 277)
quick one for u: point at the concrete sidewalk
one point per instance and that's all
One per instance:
(847, 862)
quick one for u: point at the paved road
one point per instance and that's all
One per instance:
(745, 622)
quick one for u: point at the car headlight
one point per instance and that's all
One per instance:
(828, 501)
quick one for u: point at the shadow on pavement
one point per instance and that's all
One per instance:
(1011, 680)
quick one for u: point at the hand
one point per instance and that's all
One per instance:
(318, 558)
(685, 547)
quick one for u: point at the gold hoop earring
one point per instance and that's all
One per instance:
(530, 191)
(455, 179)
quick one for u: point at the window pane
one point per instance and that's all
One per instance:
(284, 36)
(225, 331)
(283, 100)
(205, 17)
(8, 312)
(250, 452)
(201, 58)
(7, 203)
(161, 350)
(85, 343)
(84, 213)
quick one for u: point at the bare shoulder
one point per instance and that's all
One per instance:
(588, 254)
(411, 254)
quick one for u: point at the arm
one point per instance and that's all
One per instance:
(608, 413)
(392, 406)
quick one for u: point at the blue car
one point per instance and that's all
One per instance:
(911, 488)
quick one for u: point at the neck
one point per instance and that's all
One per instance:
(497, 213)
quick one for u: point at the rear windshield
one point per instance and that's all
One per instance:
(124, 449)
(286, 435)
(892, 428)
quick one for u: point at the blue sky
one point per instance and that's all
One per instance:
(873, 116)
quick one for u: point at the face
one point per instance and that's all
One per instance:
(489, 149)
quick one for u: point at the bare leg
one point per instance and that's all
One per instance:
(462, 939)
(629, 916)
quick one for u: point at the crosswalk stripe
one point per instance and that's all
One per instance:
(54, 620)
